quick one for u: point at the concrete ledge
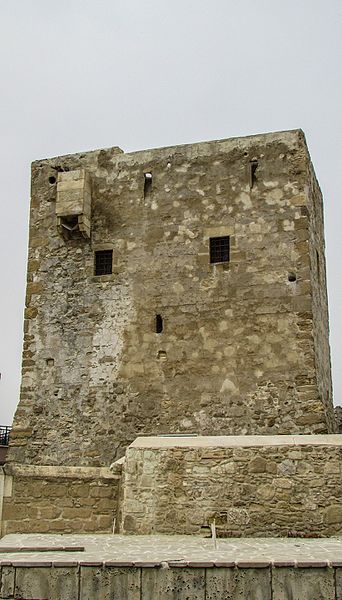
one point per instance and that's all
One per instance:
(193, 564)
(235, 441)
(46, 471)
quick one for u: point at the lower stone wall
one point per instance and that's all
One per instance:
(74, 582)
(249, 485)
(40, 499)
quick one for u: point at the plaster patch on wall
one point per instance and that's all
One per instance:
(228, 386)
(274, 196)
(245, 200)
(108, 338)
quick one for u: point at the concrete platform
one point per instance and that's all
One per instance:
(99, 549)
(115, 567)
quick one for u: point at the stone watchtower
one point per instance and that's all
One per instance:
(176, 290)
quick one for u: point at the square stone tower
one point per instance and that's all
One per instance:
(175, 290)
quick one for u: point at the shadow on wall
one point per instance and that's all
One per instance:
(3, 454)
(338, 418)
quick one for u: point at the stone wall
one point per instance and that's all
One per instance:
(338, 418)
(39, 499)
(315, 216)
(244, 346)
(250, 486)
(197, 582)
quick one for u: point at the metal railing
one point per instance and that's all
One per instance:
(4, 435)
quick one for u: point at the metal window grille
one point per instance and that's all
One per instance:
(219, 249)
(4, 435)
(103, 262)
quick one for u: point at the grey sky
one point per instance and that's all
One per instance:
(84, 74)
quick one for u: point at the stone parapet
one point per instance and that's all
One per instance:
(245, 485)
(203, 581)
(59, 499)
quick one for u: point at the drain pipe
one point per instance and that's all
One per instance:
(213, 533)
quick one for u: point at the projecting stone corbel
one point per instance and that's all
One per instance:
(73, 206)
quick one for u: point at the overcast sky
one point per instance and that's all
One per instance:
(84, 74)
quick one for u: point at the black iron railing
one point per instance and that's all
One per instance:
(4, 435)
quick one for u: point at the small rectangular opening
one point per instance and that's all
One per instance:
(253, 165)
(219, 249)
(147, 184)
(159, 323)
(318, 265)
(103, 262)
(70, 223)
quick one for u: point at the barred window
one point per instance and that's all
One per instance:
(219, 249)
(103, 262)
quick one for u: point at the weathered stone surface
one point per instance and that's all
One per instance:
(7, 582)
(254, 584)
(40, 583)
(272, 490)
(173, 584)
(303, 584)
(72, 499)
(244, 346)
(107, 583)
(334, 514)
(73, 203)
(338, 418)
(339, 583)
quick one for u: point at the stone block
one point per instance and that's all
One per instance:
(251, 584)
(7, 582)
(303, 584)
(169, 584)
(109, 582)
(79, 490)
(50, 512)
(42, 583)
(76, 512)
(338, 575)
(73, 193)
(101, 492)
(334, 514)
